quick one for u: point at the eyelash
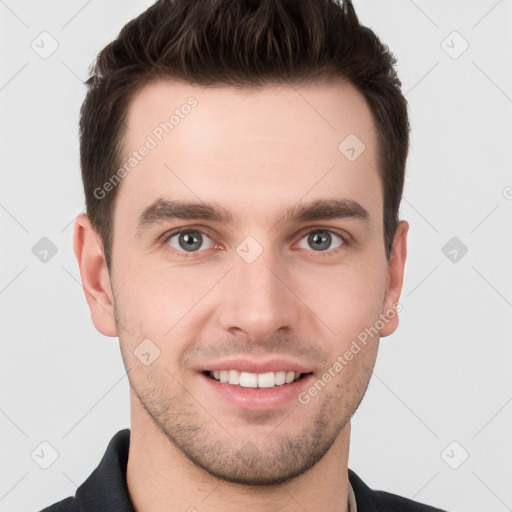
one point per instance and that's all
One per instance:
(332, 252)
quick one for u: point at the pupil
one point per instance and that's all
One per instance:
(320, 241)
(190, 242)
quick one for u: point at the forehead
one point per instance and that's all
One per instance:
(288, 115)
(249, 148)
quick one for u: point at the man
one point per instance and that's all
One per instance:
(243, 165)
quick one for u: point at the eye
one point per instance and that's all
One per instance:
(189, 240)
(321, 240)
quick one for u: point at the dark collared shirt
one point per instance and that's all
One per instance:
(106, 491)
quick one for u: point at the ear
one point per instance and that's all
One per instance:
(95, 278)
(395, 279)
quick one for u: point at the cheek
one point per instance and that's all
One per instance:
(157, 304)
(147, 289)
(145, 300)
(346, 298)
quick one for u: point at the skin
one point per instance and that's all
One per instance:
(257, 153)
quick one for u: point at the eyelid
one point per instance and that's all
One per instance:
(164, 239)
(339, 232)
(346, 238)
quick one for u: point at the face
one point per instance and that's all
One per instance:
(249, 246)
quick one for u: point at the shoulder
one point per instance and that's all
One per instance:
(368, 500)
(105, 488)
(394, 503)
(66, 505)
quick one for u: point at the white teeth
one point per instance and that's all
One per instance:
(266, 380)
(280, 378)
(234, 377)
(248, 380)
(254, 380)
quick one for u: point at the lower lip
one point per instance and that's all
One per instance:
(259, 399)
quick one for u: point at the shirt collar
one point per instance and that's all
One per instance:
(106, 487)
(352, 506)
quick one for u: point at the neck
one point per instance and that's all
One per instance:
(161, 478)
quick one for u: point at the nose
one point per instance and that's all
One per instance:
(257, 300)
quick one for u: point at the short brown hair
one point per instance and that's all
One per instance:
(240, 43)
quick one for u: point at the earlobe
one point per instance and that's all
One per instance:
(395, 279)
(95, 278)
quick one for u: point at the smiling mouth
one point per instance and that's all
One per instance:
(254, 380)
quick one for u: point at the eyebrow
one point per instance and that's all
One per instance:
(162, 210)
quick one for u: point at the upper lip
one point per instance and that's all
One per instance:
(257, 366)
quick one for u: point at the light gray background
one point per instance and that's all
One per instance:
(444, 376)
